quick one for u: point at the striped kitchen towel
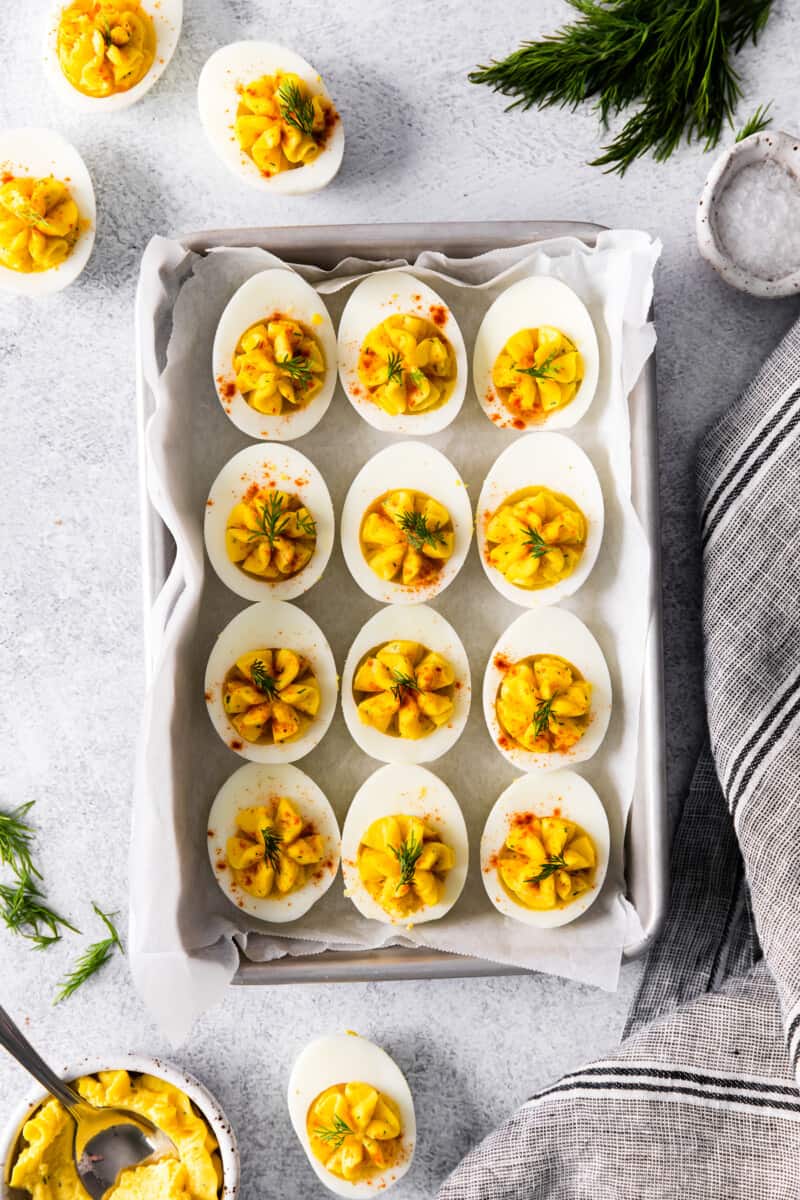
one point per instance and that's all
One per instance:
(702, 1099)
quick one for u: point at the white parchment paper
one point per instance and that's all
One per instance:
(185, 935)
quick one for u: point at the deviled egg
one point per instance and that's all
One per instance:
(406, 524)
(104, 55)
(544, 850)
(406, 686)
(536, 359)
(274, 356)
(402, 360)
(540, 519)
(273, 841)
(269, 118)
(353, 1114)
(269, 523)
(47, 212)
(547, 691)
(405, 850)
(271, 683)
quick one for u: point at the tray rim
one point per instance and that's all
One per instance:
(308, 244)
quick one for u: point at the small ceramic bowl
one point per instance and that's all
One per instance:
(138, 1064)
(783, 149)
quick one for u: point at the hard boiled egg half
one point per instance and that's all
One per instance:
(103, 55)
(540, 519)
(353, 1114)
(274, 357)
(404, 847)
(271, 683)
(402, 360)
(269, 523)
(406, 686)
(269, 118)
(536, 360)
(273, 841)
(545, 848)
(547, 691)
(47, 212)
(406, 524)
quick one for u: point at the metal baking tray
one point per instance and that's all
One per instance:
(646, 840)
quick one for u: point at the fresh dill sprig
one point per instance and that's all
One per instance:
(24, 911)
(407, 855)
(297, 110)
(93, 958)
(16, 841)
(418, 532)
(394, 367)
(554, 863)
(542, 371)
(272, 519)
(272, 847)
(759, 120)
(535, 543)
(298, 368)
(541, 717)
(262, 679)
(306, 524)
(670, 61)
(402, 683)
(335, 1135)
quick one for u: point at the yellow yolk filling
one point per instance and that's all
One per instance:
(537, 372)
(271, 696)
(355, 1131)
(273, 851)
(536, 538)
(404, 690)
(39, 224)
(270, 534)
(407, 365)
(543, 704)
(105, 46)
(281, 124)
(279, 365)
(546, 862)
(403, 864)
(46, 1168)
(407, 536)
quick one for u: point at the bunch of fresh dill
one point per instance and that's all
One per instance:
(669, 58)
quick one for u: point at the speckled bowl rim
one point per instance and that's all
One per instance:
(200, 1096)
(783, 149)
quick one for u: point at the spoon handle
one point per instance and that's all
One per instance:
(18, 1046)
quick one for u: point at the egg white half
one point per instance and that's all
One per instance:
(395, 790)
(347, 1058)
(420, 467)
(549, 631)
(381, 295)
(167, 17)
(549, 460)
(271, 624)
(237, 65)
(418, 624)
(38, 153)
(577, 801)
(250, 786)
(528, 304)
(283, 291)
(277, 467)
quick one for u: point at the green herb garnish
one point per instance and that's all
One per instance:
(394, 367)
(418, 532)
(16, 840)
(542, 371)
(407, 855)
(671, 59)
(298, 368)
(306, 524)
(554, 863)
(535, 543)
(759, 120)
(541, 717)
(297, 110)
(402, 683)
(93, 958)
(272, 519)
(262, 679)
(23, 910)
(334, 1136)
(272, 847)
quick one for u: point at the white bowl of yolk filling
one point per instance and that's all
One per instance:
(205, 1170)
